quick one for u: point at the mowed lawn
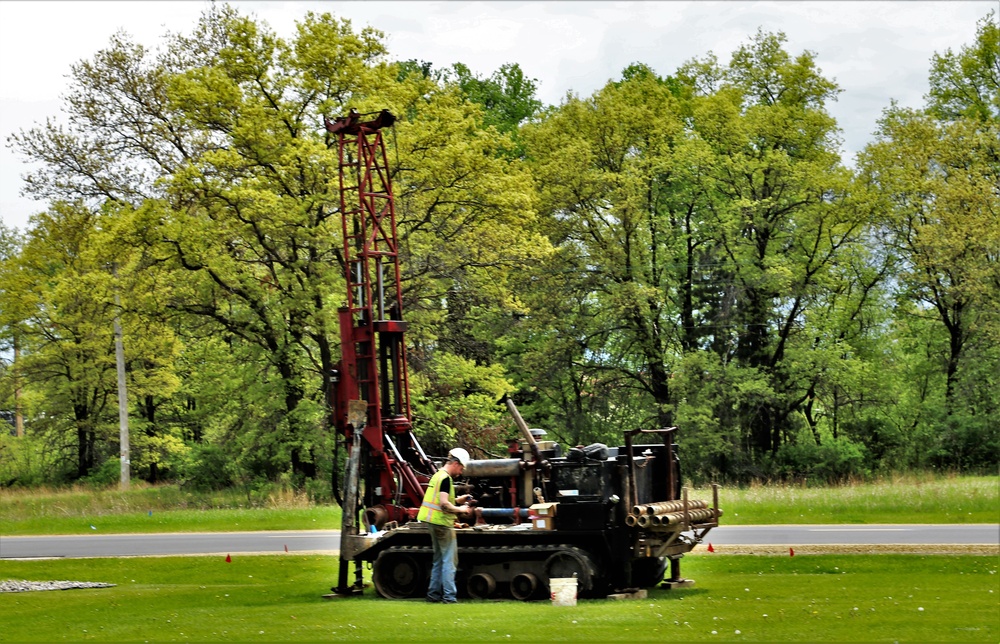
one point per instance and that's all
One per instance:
(820, 598)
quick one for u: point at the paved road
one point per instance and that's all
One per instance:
(122, 545)
(110, 545)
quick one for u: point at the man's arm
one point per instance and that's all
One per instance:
(450, 507)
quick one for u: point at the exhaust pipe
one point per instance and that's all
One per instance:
(493, 468)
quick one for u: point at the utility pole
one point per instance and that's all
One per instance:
(122, 394)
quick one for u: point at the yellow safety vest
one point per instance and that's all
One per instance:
(430, 509)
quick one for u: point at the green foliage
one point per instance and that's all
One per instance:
(507, 96)
(25, 461)
(967, 84)
(936, 171)
(108, 473)
(455, 403)
(831, 461)
(206, 468)
(683, 249)
(965, 442)
(705, 236)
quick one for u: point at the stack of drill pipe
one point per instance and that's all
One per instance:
(666, 507)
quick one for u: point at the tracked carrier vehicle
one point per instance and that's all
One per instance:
(616, 518)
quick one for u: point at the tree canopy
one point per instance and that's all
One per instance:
(675, 249)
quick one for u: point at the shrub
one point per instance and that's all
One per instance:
(206, 468)
(109, 473)
(24, 461)
(967, 443)
(834, 460)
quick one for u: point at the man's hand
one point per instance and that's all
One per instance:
(455, 509)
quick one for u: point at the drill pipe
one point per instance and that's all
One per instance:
(666, 507)
(678, 517)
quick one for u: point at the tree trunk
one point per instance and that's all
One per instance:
(149, 412)
(85, 442)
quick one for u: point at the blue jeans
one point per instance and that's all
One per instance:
(445, 545)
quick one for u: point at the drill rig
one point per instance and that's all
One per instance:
(613, 517)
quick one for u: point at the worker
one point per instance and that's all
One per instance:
(438, 511)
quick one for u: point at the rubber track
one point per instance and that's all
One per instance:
(496, 550)
(537, 554)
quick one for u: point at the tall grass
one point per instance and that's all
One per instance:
(161, 508)
(167, 508)
(81, 499)
(910, 498)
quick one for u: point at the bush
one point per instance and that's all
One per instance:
(966, 443)
(108, 474)
(205, 469)
(319, 490)
(833, 461)
(24, 461)
(884, 443)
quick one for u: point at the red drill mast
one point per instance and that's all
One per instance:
(373, 353)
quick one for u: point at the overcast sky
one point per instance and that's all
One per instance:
(875, 51)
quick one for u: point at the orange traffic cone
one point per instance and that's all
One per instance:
(710, 548)
(229, 559)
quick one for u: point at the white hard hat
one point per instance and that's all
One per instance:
(460, 455)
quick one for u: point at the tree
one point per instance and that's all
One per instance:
(215, 147)
(937, 170)
(967, 84)
(596, 163)
(507, 96)
(62, 302)
(709, 212)
(10, 345)
(940, 217)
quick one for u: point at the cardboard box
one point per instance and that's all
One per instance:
(542, 523)
(543, 509)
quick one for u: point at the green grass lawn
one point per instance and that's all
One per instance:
(911, 499)
(821, 598)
